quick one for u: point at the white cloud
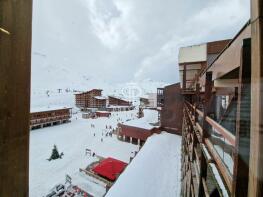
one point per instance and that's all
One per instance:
(218, 20)
(125, 40)
(108, 19)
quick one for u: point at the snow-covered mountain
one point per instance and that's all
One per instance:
(63, 45)
(61, 92)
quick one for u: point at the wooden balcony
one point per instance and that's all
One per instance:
(198, 146)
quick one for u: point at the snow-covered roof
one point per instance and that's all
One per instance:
(146, 122)
(155, 171)
(47, 108)
(118, 106)
(145, 96)
(119, 97)
(103, 112)
(100, 97)
(83, 92)
(196, 53)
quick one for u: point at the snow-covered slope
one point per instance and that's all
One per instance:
(49, 93)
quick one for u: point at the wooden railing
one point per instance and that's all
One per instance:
(191, 114)
(218, 128)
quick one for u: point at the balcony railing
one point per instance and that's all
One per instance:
(218, 145)
(49, 119)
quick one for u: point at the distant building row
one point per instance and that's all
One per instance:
(46, 117)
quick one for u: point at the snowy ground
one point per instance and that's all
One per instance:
(155, 171)
(72, 139)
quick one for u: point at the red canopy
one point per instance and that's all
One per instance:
(110, 168)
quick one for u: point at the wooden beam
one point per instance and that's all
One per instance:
(256, 145)
(184, 77)
(15, 58)
(224, 132)
(227, 83)
(207, 101)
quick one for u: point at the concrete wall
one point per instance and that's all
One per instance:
(196, 53)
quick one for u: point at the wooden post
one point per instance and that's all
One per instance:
(15, 60)
(207, 100)
(203, 174)
(256, 145)
(184, 78)
(197, 100)
(241, 153)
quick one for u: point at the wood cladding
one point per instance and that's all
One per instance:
(172, 109)
(15, 61)
(118, 101)
(90, 99)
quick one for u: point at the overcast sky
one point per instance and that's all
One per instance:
(129, 40)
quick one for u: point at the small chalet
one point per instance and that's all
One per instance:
(138, 130)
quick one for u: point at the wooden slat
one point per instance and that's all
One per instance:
(197, 110)
(198, 126)
(205, 188)
(227, 134)
(224, 132)
(200, 113)
(220, 164)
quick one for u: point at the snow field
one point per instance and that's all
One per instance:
(72, 139)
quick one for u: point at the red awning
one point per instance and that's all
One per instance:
(110, 168)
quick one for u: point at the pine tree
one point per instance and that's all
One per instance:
(55, 154)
